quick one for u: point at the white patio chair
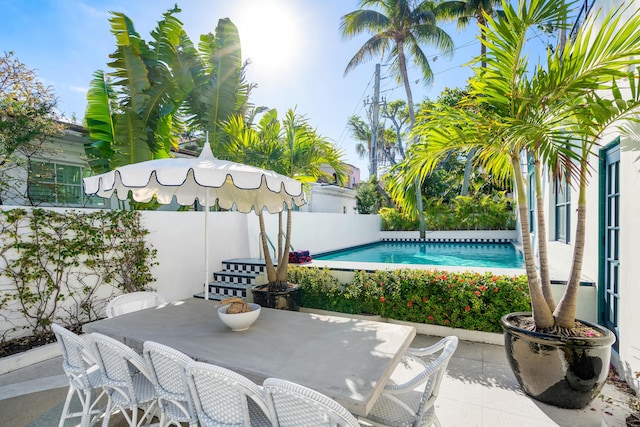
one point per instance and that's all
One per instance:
(127, 380)
(84, 375)
(134, 301)
(409, 397)
(167, 366)
(223, 397)
(293, 405)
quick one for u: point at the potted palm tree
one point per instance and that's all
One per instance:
(292, 148)
(552, 115)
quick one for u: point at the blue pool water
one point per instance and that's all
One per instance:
(496, 255)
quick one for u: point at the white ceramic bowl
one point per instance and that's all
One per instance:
(239, 321)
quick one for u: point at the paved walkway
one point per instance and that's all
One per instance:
(478, 390)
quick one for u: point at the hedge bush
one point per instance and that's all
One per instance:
(466, 300)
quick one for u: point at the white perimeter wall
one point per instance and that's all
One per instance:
(179, 239)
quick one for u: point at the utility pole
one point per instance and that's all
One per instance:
(374, 125)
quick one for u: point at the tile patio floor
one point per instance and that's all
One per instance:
(478, 390)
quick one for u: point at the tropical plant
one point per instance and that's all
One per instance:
(554, 113)
(137, 111)
(398, 27)
(368, 197)
(477, 10)
(463, 12)
(292, 148)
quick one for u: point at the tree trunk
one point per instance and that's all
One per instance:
(542, 315)
(412, 121)
(545, 279)
(271, 270)
(283, 263)
(565, 312)
(468, 166)
(280, 249)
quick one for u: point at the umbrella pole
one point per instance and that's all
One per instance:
(206, 246)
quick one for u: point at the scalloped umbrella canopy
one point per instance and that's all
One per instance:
(205, 179)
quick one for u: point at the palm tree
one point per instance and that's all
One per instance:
(398, 27)
(555, 114)
(463, 12)
(292, 148)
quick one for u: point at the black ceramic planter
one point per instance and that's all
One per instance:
(560, 371)
(284, 300)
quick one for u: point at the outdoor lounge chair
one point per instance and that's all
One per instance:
(84, 375)
(167, 366)
(293, 405)
(134, 301)
(409, 399)
(223, 397)
(127, 380)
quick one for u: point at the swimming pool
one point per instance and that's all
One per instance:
(493, 255)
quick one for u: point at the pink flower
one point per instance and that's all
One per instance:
(467, 308)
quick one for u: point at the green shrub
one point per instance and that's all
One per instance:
(460, 300)
(395, 220)
(319, 289)
(483, 212)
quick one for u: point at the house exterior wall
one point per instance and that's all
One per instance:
(67, 149)
(330, 198)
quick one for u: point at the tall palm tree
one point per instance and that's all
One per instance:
(555, 113)
(463, 12)
(290, 147)
(478, 10)
(398, 28)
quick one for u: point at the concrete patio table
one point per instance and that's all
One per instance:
(349, 360)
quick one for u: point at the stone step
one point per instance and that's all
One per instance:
(235, 277)
(229, 290)
(249, 265)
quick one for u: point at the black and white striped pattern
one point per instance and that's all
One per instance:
(236, 279)
(448, 240)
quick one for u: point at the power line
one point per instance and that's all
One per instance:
(356, 108)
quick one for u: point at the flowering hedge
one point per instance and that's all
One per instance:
(461, 300)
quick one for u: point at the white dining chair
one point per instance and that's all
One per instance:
(85, 380)
(223, 397)
(293, 405)
(168, 372)
(409, 397)
(133, 301)
(127, 380)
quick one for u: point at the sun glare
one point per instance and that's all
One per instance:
(269, 34)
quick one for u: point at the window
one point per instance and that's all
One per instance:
(59, 184)
(563, 209)
(531, 200)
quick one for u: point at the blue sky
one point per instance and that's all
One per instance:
(298, 57)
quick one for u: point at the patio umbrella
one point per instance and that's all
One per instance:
(206, 179)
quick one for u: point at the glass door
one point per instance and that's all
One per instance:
(611, 265)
